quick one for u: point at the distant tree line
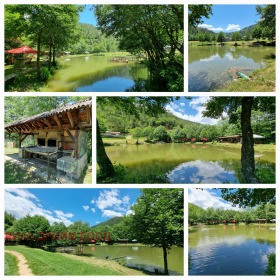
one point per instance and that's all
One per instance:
(166, 127)
(264, 29)
(212, 215)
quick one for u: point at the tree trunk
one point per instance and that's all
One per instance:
(105, 164)
(39, 53)
(247, 150)
(165, 260)
(53, 60)
(50, 57)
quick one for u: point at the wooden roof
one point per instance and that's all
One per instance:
(73, 116)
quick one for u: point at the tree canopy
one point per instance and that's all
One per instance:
(158, 219)
(156, 30)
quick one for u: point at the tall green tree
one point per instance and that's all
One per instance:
(51, 25)
(216, 106)
(156, 30)
(268, 19)
(221, 37)
(32, 230)
(197, 12)
(245, 197)
(158, 219)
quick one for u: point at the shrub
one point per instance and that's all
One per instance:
(44, 74)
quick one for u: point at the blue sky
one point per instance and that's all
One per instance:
(190, 110)
(87, 16)
(206, 198)
(231, 18)
(69, 205)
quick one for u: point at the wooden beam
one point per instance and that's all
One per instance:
(47, 122)
(70, 119)
(23, 137)
(35, 125)
(71, 135)
(57, 120)
(88, 111)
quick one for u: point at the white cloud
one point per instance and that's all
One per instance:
(233, 27)
(92, 201)
(204, 198)
(197, 104)
(108, 199)
(111, 213)
(21, 202)
(129, 212)
(111, 203)
(210, 27)
(92, 210)
(86, 207)
(183, 104)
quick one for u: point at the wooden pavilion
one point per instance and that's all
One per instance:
(60, 136)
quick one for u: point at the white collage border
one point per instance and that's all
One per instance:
(185, 3)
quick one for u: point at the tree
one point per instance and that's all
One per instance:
(137, 133)
(9, 221)
(149, 29)
(236, 36)
(268, 19)
(158, 219)
(231, 105)
(257, 32)
(161, 134)
(44, 24)
(32, 230)
(196, 12)
(245, 197)
(221, 37)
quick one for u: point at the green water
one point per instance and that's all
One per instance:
(210, 67)
(140, 256)
(230, 249)
(186, 163)
(96, 74)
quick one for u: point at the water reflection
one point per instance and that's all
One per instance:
(230, 250)
(201, 172)
(212, 66)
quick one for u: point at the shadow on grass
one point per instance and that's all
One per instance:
(15, 174)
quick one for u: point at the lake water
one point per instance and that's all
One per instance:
(210, 67)
(141, 256)
(96, 74)
(230, 249)
(186, 163)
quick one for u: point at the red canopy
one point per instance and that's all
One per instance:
(24, 49)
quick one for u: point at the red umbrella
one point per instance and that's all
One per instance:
(24, 49)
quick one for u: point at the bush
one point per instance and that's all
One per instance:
(44, 74)
(271, 267)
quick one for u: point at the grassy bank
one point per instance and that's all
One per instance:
(262, 80)
(128, 140)
(47, 263)
(11, 265)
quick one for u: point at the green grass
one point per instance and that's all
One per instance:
(262, 80)
(15, 174)
(11, 265)
(47, 263)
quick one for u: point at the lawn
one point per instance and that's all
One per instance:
(11, 267)
(46, 263)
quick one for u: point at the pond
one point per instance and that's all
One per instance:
(230, 249)
(187, 163)
(210, 67)
(141, 257)
(96, 74)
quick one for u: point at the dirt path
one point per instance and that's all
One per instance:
(107, 263)
(23, 268)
